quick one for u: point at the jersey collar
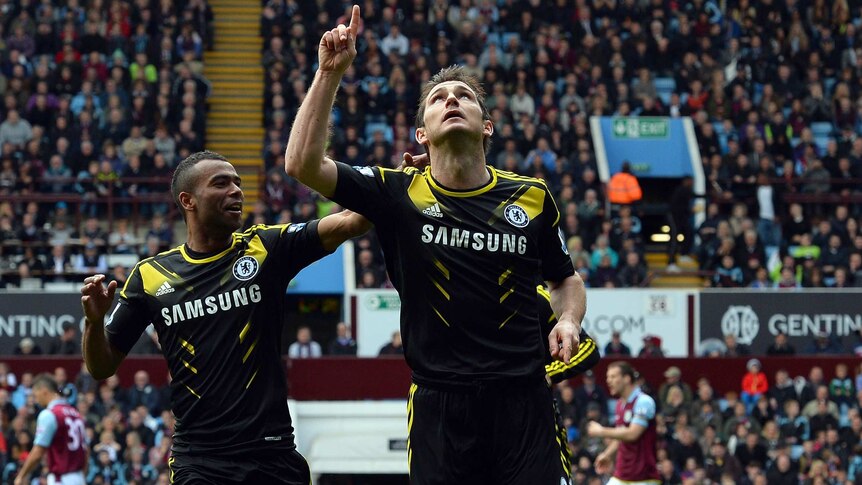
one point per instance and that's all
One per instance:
(56, 402)
(463, 193)
(189, 258)
(634, 395)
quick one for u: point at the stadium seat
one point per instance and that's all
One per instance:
(821, 128)
(665, 86)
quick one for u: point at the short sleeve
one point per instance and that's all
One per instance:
(299, 245)
(367, 190)
(129, 318)
(556, 263)
(644, 410)
(46, 427)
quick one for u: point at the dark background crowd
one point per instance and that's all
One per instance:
(100, 99)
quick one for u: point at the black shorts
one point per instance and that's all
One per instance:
(484, 435)
(284, 467)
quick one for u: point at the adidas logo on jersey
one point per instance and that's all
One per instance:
(433, 211)
(165, 289)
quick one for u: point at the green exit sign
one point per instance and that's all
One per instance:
(640, 128)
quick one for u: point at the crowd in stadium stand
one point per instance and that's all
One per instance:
(99, 100)
(773, 89)
(772, 430)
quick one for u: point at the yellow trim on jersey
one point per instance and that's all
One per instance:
(585, 349)
(189, 366)
(532, 201)
(503, 277)
(506, 294)
(441, 316)
(210, 259)
(188, 346)
(171, 468)
(469, 193)
(244, 331)
(192, 391)
(513, 176)
(542, 291)
(445, 293)
(507, 319)
(413, 388)
(442, 268)
(250, 349)
(497, 213)
(256, 250)
(151, 278)
(252, 378)
(420, 193)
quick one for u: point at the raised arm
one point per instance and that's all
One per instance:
(334, 229)
(101, 357)
(304, 157)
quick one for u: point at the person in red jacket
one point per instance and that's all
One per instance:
(754, 384)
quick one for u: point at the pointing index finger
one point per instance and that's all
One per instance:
(354, 21)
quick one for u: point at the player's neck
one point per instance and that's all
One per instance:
(459, 170)
(627, 393)
(201, 242)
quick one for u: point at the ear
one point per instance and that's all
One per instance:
(421, 136)
(488, 129)
(187, 201)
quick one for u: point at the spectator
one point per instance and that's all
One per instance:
(343, 343)
(591, 394)
(754, 384)
(393, 347)
(143, 393)
(304, 347)
(673, 378)
(15, 130)
(652, 347)
(27, 347)
(824, 344)
(67, 343)
(841, 388)
(633, 273)
(616, 347)
(623, 187)
(733, 348)
(780, 346)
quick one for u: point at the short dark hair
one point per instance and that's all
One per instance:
(625, 368)
(182, 180)
(45, 381)
(453, 73)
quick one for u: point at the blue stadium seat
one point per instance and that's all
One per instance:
(821, 128)
(509, 35)
(664, 86)
(828, 85)
(370, 128)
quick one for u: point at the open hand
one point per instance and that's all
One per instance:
(96, 298)
(337, 47)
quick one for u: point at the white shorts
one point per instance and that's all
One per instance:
(72, 478)
(617, 481)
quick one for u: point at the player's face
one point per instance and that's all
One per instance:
(218, 195)
(452, 108)
(615, 380)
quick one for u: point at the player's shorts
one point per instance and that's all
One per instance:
(617, 481)
(500, 435)
(283, 467)
(71, 478)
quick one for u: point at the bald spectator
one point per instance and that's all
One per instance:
(143, 393)
(343, 343)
